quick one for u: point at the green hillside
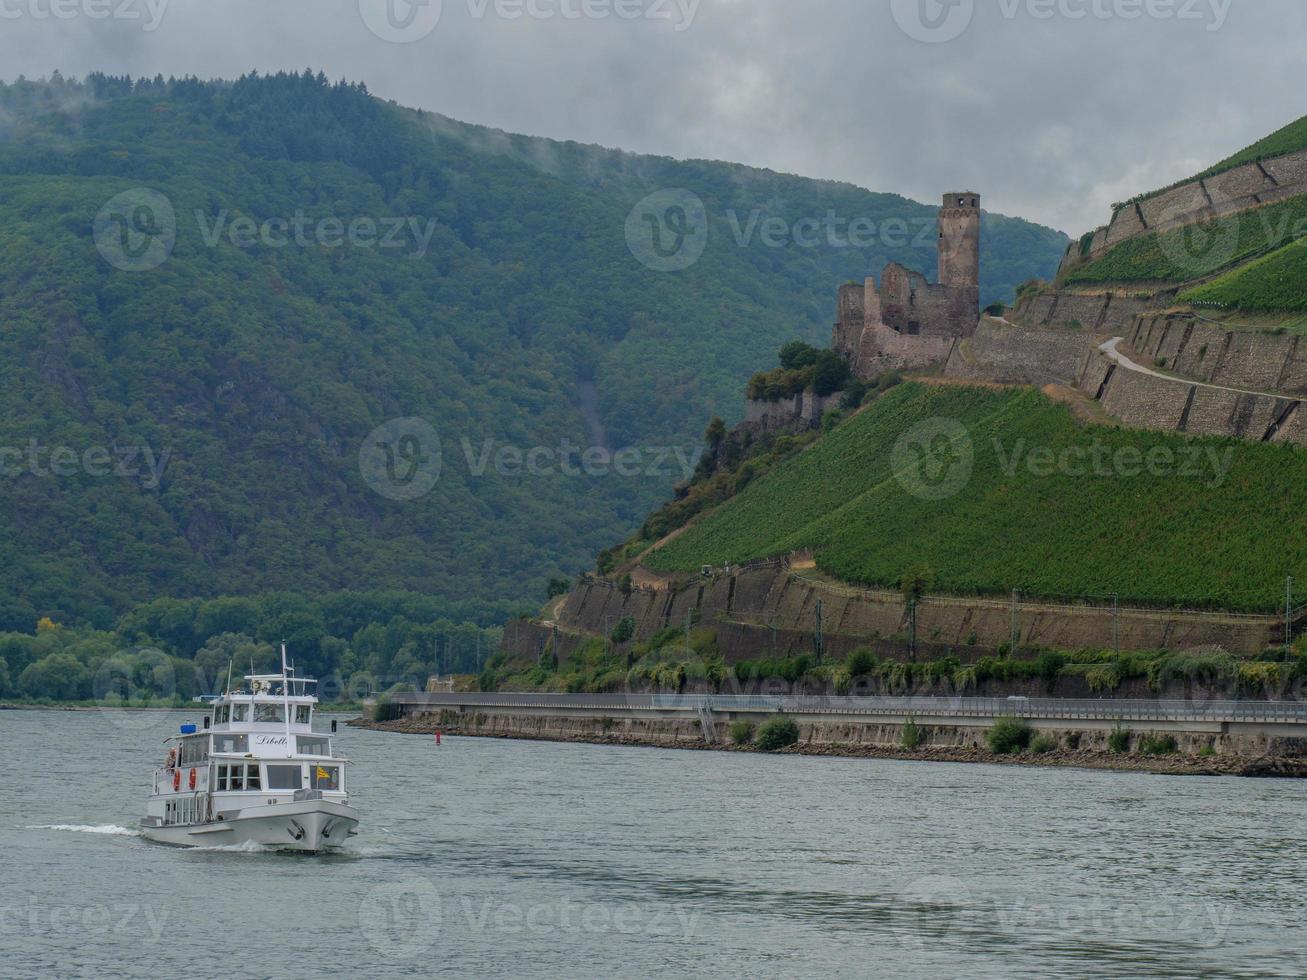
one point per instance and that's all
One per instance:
(1273, 283)
(982, 501)
(253, 367)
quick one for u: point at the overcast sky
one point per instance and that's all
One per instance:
(1052, 109)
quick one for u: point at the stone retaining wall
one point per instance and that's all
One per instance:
(758, 609)
(1248, 186)
(1212, 353)
(1019, 355)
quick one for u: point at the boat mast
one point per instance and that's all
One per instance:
(285, 693)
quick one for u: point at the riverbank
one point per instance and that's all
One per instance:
(1195, 754)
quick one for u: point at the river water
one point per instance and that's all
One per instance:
(522, 859)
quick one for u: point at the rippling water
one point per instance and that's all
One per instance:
(485, 857)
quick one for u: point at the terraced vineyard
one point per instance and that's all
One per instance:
(1189, 253)
(1273, 283)
(1040, 503)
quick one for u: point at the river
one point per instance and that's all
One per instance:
(522, 859)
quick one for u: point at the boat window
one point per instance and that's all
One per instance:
(301, 714)
(231, 743)
(240, 712)
(194, 751)
(269, 712)
(237, 777)
(313, 745)
(324, 777)
(285, 777)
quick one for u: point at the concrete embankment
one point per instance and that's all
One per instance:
(1198, 744)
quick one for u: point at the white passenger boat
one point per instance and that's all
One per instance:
(254, 773)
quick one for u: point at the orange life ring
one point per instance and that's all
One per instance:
(176, 780)
(192, 779)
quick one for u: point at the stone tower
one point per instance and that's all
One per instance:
(959, 240)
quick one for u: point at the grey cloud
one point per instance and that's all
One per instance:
(1053, 118)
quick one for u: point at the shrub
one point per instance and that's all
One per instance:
(1155, 744)
(742, 732)
(862, 662)
(1206, 752)
(624, 630)
(1119, 740)
(1009, 736)
(911, 734)
(383, 709)
(1073, 740)
(1049, 666)
(1043, 744)
(777, 733)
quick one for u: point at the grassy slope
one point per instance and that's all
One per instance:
(1273, 283)
(1158, 539)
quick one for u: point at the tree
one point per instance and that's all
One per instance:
(831, 375)
(59, 675)
(796, 354)
(714, 435)
(558, 586)
(17, 615)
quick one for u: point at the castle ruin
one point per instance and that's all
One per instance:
(907, 322)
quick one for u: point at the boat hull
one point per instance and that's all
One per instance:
(311, 826)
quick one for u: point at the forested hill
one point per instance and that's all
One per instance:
(194, 374)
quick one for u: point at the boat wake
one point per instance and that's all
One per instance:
(113, 830)
(248, 847)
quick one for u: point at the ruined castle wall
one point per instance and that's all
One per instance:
(884, 349)
(798, 414)
(850, 316)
